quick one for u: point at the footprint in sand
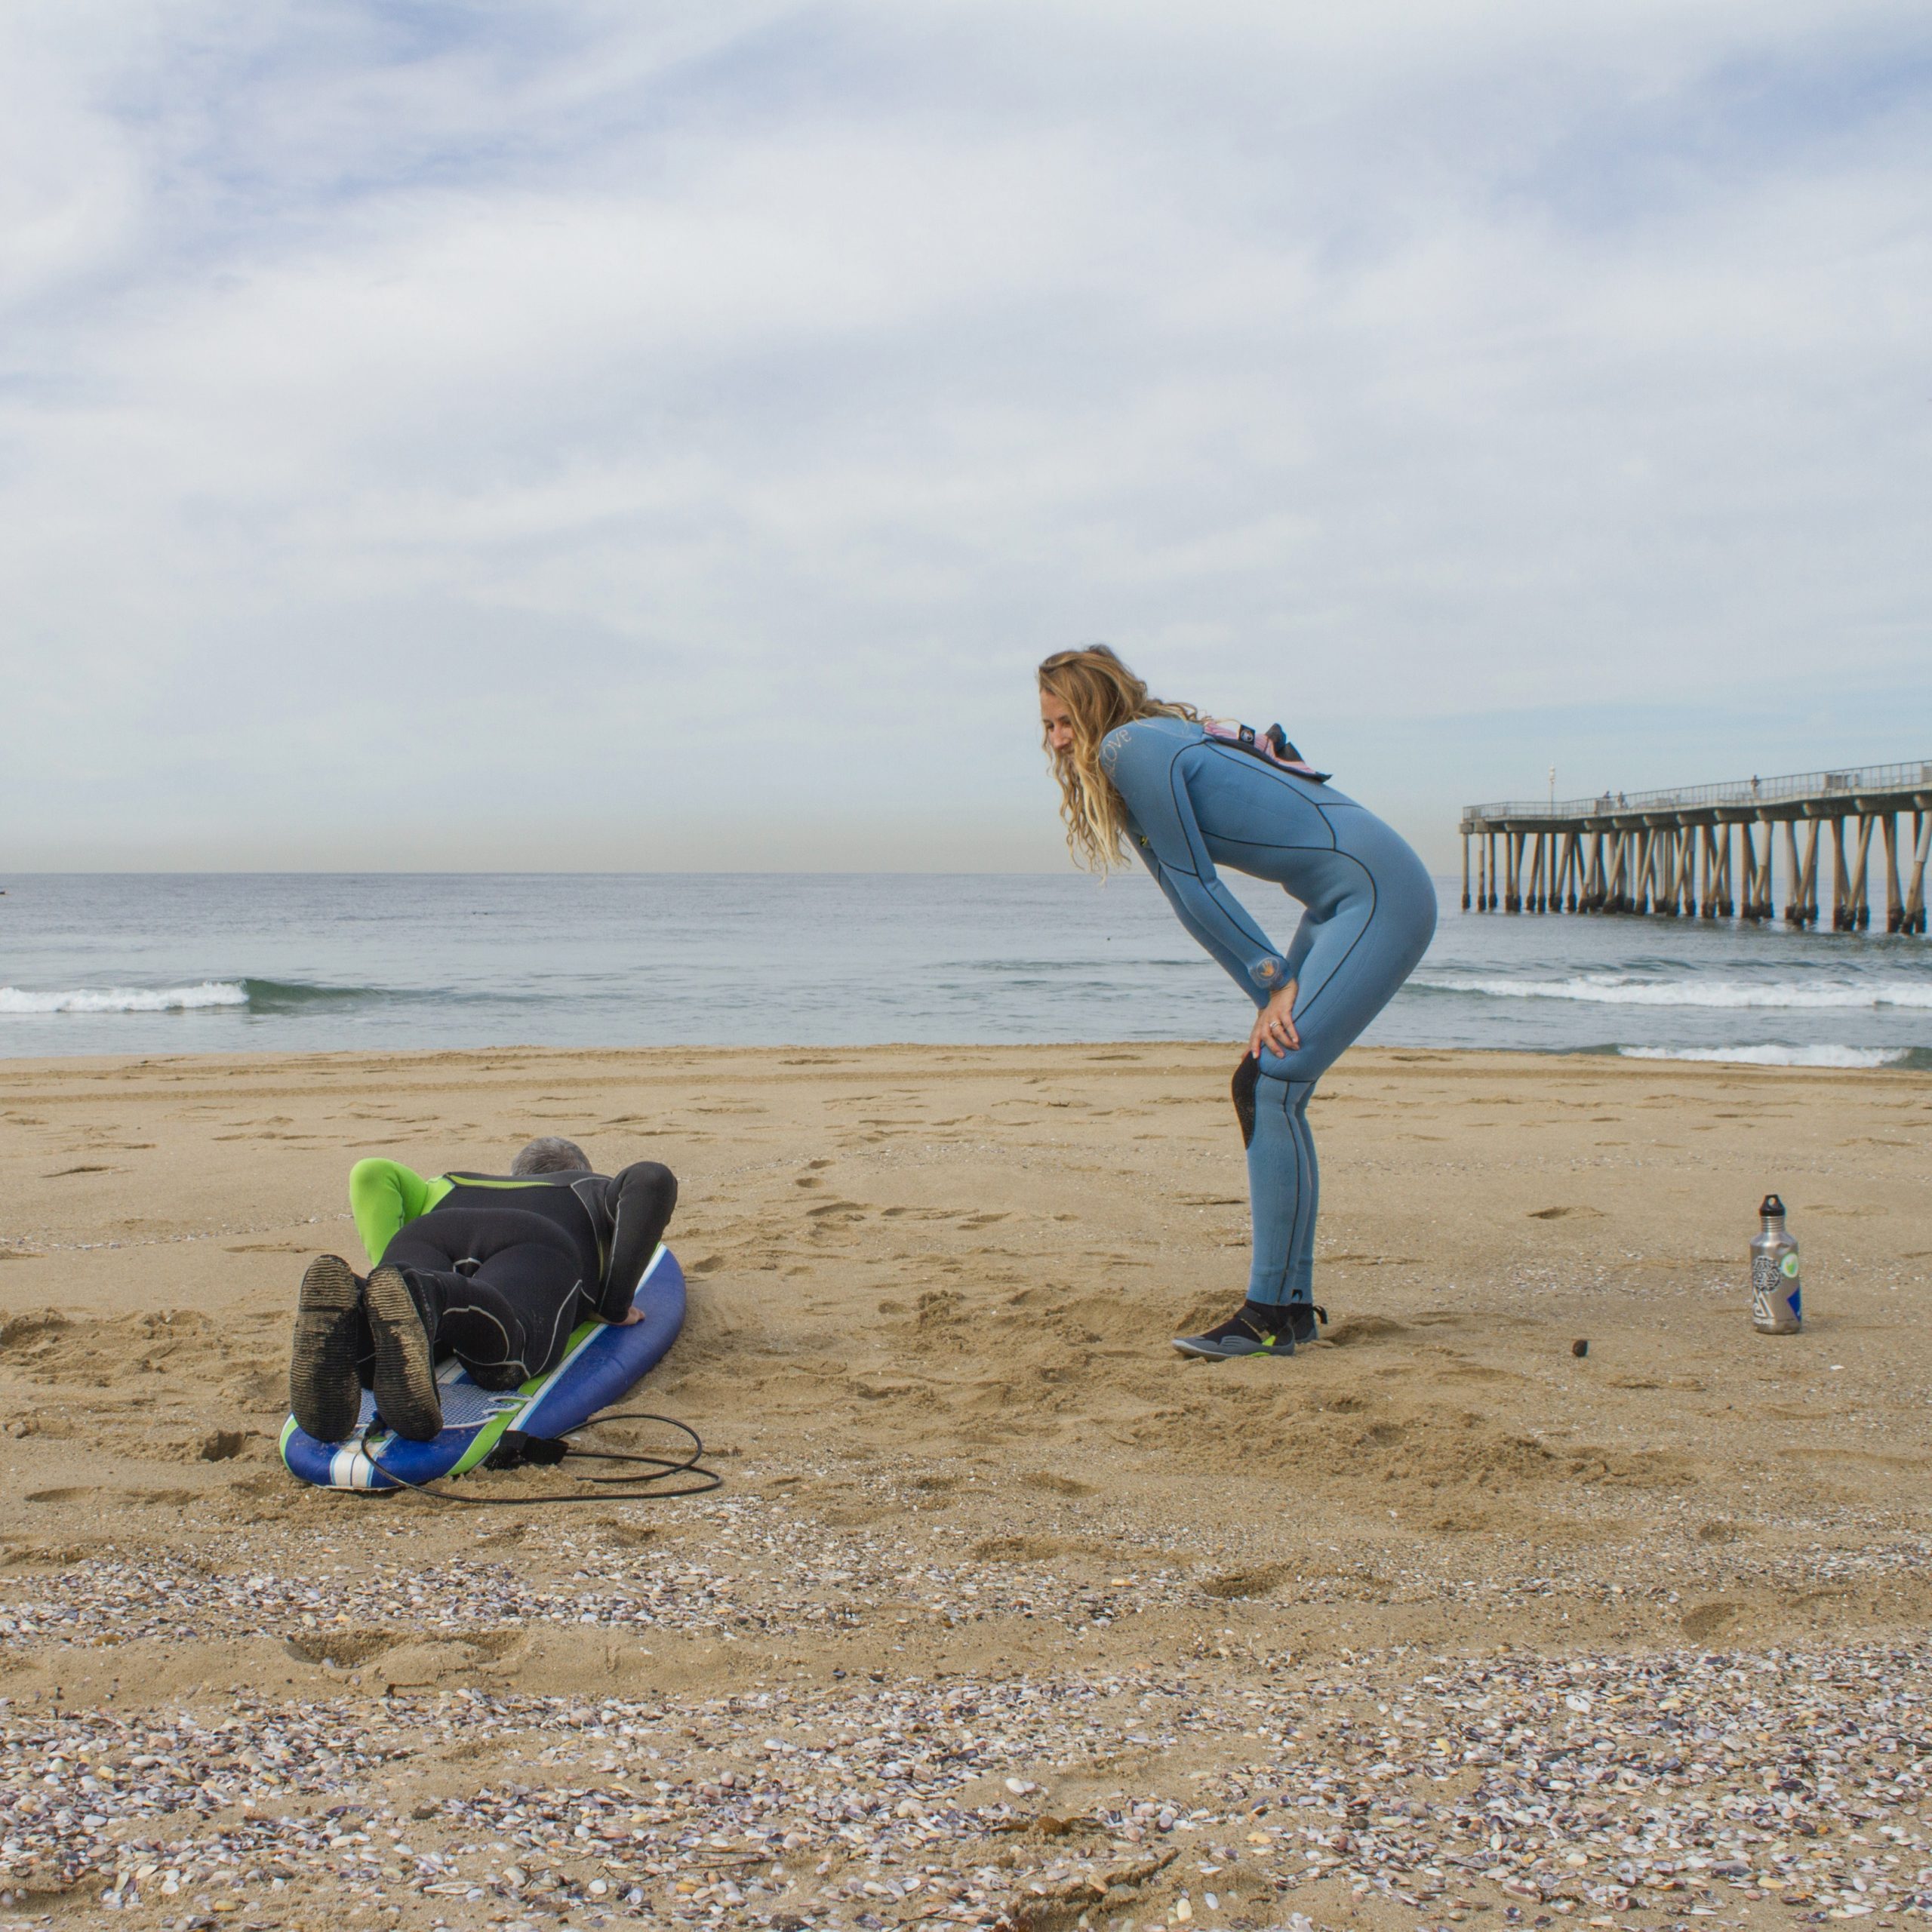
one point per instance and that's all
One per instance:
(1233, 1585)
(1057, 1485)
(1357, 1328)
(1705, 1620)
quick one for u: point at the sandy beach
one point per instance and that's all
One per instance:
(1004, 1614)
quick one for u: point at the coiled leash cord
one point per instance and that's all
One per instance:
(516, 1450)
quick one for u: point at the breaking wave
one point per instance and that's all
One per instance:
(14, 1000)
(1773, 1056)
(255, 996)
(1630, 989)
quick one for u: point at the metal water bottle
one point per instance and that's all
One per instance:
(1776, 1299)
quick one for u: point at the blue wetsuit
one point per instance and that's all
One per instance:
(1194, 802)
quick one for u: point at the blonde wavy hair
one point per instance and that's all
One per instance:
(1099, 693)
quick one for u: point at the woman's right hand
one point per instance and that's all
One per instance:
(1273, 1030)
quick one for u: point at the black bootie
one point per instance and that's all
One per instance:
(402, 1323)
(324, 1391)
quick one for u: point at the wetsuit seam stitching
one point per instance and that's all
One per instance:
(564, 1307)
(1270, 846)
(1304, 1142)
(1281, 778)
(497, 1320)
(1177, 791)
(1374, 905)
(1279, 1286)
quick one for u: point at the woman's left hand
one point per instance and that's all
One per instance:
(1275, 1024)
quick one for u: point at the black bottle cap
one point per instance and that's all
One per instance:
(1773, 1205)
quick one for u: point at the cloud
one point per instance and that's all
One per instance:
(620, 436)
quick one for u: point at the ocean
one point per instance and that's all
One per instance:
(227, 963)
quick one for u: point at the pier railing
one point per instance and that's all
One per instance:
(1796, 788)
(1670, 852)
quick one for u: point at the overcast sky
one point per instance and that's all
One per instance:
(666, 436)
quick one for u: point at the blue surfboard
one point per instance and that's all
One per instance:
(602, 1364)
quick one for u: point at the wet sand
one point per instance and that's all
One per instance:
(1003, 1612)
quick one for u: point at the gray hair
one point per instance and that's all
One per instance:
(551, 1154)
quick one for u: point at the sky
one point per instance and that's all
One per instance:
(613, 434)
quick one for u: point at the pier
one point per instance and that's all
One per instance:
(1706, 851)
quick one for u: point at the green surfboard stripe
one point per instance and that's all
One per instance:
(485, 1439)
(491, 1433)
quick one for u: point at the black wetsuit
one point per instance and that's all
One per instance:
(504, 1269)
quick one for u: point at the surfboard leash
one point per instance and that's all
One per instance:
(517, 1451)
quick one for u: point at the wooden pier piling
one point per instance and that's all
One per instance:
(1671, 853)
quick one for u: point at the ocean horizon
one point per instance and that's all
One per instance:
(184, 963)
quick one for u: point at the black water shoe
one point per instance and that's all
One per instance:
(1259, 1328)
(1256, 1330)
(323, 1390)
(403, 1328)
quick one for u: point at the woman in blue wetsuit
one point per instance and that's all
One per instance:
(1136, 772)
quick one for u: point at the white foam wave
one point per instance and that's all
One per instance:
(15, 1001)
(1774, 1056)
(1628, 990)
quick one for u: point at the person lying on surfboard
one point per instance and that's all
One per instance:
(494, 1270)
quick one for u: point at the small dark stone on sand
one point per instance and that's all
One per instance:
(1579, 1347)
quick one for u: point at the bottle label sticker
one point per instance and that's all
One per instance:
(1774, 1291)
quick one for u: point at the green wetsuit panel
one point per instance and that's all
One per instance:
(385, 1196)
